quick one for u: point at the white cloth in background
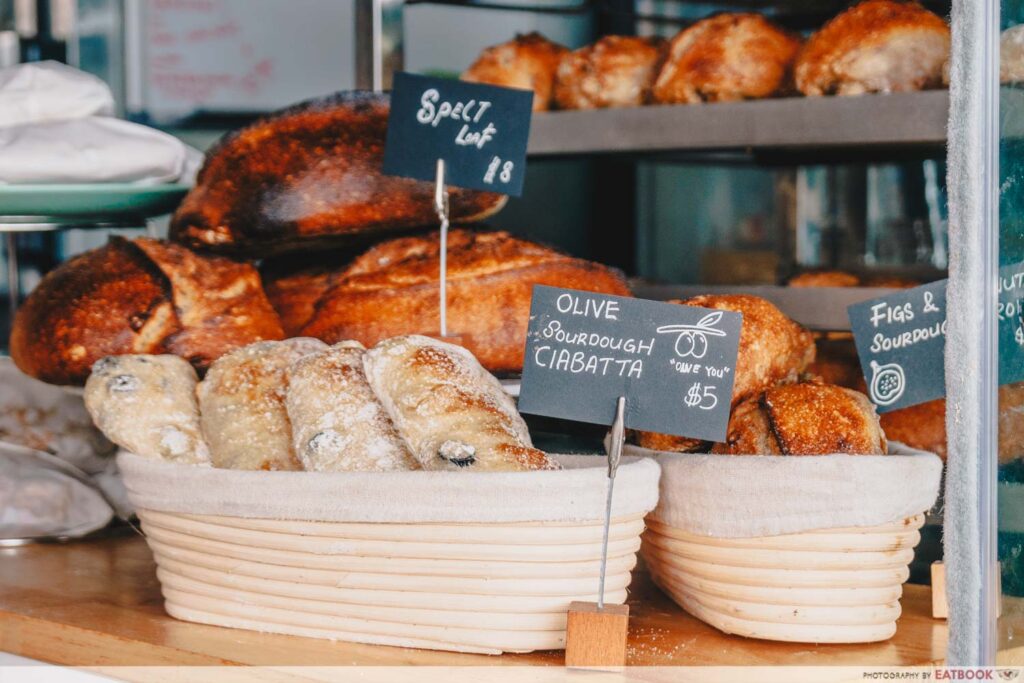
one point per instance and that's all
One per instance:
(51, 91)
(91, 150)
(56, 126)
(750, 496)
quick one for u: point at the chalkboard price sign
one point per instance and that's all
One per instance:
(901, 340)
(674, 364)
(480, 131)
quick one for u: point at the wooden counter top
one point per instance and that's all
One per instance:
(98, 603)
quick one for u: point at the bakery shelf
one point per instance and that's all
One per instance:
(97, 604)
(817, 308)
(898, 120)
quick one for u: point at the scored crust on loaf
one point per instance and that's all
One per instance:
(875, 46)
(527, 62)
(338, 424)
(242, 405)
(393, 290)
(808, 418)
(726, 57)
(306, 176)
(451, 412)
(147, 405)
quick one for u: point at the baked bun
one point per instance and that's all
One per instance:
(824, 278)
(338, 424)
(837, 362)
(308, 175)
(726, 57)
(393, 289)
(147, 405)
(805, 419)
(242, 406)
(616, 71)
(138, 296)
(1011, 422)
(922, 426)
(875, 46)
(528, 63)
(1011, 55)
(451, 412)
(772, 349)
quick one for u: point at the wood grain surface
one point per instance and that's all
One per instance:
(98, 603)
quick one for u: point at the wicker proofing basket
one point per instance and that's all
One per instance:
(811, 550)
(471, 562)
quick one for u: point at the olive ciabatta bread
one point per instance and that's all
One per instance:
(773, 349)
(307, 175)
(393, 289)
(337, 422)
(138, 296)
(875, 46)
(528, 63)
(451, 412)
(616, 71)
(804, 419)
(726, 57)
(242, 405)
(147, 405)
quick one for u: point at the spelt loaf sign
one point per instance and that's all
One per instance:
(480, 131)
(674, 364)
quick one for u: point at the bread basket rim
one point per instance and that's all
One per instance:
(574, 494)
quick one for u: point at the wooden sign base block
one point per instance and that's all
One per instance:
(596, 639)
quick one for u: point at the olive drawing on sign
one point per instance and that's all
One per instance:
(887, 383)
(692, 341)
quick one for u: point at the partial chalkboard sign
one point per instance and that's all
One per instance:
(901, 341)
(1011, 323)
(480, 131)
(674, 364)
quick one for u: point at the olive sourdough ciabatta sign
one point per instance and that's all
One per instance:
(674, 364)
(901, 340)
(480, 131)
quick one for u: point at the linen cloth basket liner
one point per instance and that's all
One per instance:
(753, 496)
(574, 494)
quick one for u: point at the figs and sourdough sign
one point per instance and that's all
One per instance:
(480, 131)
(674, 364)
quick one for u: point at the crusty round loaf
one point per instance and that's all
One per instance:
(393, 290)
(773, 349)
(875, 46)
(726, 57)
(808, 418)
(308, 175)
(616, 71)
(138, 296)
(528, 62)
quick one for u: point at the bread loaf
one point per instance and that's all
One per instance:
(138, 296)
(337, 422)
(616, 71)
(875, 46)
(805, 419)
(242, 406)
(726, 57)
(309, 175)
(773, 349)
(528, 63)
(451, 412)
(393, 289)
(147, 405)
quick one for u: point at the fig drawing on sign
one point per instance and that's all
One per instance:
(692, 341)
(887, 383)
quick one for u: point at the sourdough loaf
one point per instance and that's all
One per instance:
(307, 175)
(138, 296)
(393, 289)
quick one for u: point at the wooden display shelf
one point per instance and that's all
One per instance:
(98, 604)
